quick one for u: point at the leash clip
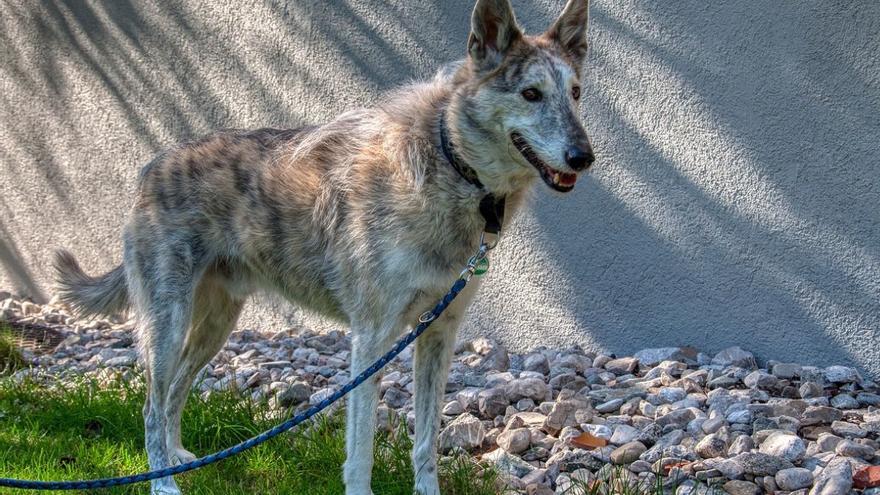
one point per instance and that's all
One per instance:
(478, 264)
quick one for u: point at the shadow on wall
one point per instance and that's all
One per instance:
(93, 89)
(736, 195)
(22, 280)
(734, 201)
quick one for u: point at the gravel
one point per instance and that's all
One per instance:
(707, 420)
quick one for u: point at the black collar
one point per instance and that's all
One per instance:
(491, 207)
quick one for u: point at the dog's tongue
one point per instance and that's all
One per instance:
(567, 179)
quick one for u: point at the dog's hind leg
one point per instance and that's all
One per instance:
(161, 278)
(433, 355)
(215, 312)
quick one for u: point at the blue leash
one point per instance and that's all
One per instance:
(477, 264)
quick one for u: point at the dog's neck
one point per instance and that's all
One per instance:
(473, 152)
(491, 205)
(466, 171)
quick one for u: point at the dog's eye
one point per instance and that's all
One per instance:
(576, 92)
(532, 94)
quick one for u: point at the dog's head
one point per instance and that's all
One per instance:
(520, 96)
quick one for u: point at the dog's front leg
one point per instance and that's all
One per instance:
(433, 355)
(367, 346)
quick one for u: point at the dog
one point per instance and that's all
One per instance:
(366, 219)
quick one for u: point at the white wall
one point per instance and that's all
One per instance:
(734, 199)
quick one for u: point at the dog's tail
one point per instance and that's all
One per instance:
(103, 295)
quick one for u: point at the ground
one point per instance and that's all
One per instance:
(548, 422)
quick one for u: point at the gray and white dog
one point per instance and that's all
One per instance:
(366, 219)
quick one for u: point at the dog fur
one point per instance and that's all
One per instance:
(362, 219)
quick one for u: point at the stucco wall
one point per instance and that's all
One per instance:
(735, 200)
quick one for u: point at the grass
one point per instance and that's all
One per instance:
(10, 357)
(88, 431)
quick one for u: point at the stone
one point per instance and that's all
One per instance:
(710, 446)
(867, 477)
(669, 395)
(564, 413)
(453, 408)
(760, 379)
(676, 419)
(598, 431)
(529, 419)
(848, 448)
(515, 441)
(622, 366)
(835, 479)
(321, 395)
(786, 370)
(507, 463)
(784, 445)
(624, 434)
(842, 374)
(741, 487)
(844, 401)
(610, 406)
(493, 356)
(537, 362)
(848, 430)
(395, 398)
(723, 382)
(760, 464)
(820, 415)
(627, 453)
(734, 356)
(465, 432)
(492, 402)
(124, 361)
(525, 388)
(827, 442)
(810, 390)
(739, 416)
(653, 357)
(712, 425)
(294, 395)
(794, 479)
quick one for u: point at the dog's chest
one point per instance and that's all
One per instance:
(426, 270)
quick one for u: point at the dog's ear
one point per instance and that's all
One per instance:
(493, 31)
(570, 30)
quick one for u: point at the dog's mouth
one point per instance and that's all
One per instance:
(557, 180)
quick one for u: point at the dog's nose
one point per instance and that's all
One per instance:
(579, 158)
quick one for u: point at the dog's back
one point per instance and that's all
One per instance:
(309, 213)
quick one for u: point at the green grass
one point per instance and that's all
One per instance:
(88, 431)
(10, 357)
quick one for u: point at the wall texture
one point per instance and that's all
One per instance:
(735, 199)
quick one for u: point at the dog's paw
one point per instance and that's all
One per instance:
(165, 490)
(427, 486)
(181, 456)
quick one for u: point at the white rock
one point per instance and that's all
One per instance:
(515, 440)
(465, 431)
(507, 463)
(794, 479)
(734, 356)
(784, 445)
(835, 479)
(453, 408)
(653, 357)
(711, 446)
(842, 374)
(624, 434)
(525, 388)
